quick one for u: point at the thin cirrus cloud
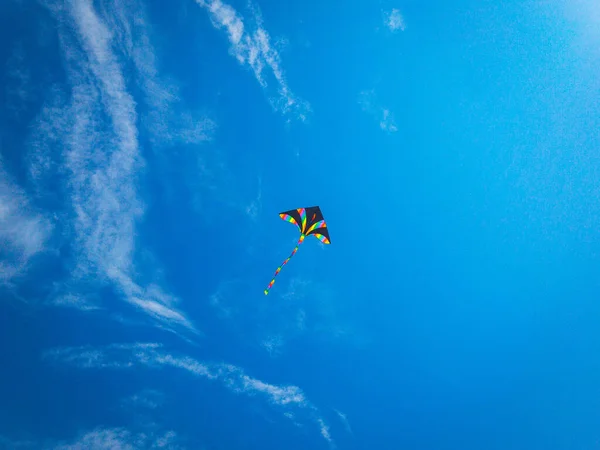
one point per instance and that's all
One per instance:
(24, 231)
(394, 20)
(166, 121)
(251, 45)
(122, 439)
(205, 174)
(152, 355)
(101, 438)
(79, 302)
(98, 133)
(147, 399)
(344, 419)
(369, 103)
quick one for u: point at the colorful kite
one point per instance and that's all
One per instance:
(309, 221)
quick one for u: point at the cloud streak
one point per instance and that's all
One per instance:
(101, 438)
(121, 439)
(202, 172)
(24, 232)
(344, 419)
(165, 120)
(152, 355)
(78, 302)
(103, 159)
(250, 44)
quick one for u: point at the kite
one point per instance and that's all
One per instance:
(309, 221)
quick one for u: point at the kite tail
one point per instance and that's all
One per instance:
(284, 263)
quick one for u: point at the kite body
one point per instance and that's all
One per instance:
(309, 221)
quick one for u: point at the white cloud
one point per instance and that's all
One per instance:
(278, 395)
(101, 438)
(111, 356)
(344, 418)
(166, 121)
(121, 439)
(43, 148)
(147, 399)
(103, 159)
(387, 122)
(368, 102)
(273, 344)
(324, 430)
(24, 232)
(251, 46)
(394, 20)
(127, 356)
(79, 302)
(255, 206)
(202, 171)
(105, 439)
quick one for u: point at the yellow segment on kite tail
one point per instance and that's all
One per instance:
(302, 236)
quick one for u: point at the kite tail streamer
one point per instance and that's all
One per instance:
(284, 263)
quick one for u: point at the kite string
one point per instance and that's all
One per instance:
(302, 236)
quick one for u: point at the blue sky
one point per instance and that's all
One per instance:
(147, 148)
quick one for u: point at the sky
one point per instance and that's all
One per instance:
(147, 149)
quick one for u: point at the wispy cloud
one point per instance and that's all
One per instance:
(273, 344)
(202, 171)
(394, 20)
(121, 439)
(43, 152)
(152, 355)
(387, 122)
(324, 429)
(167, 121)
(369, 103)
(74, 301)
(18, 87)
(24, 232)
(105, 439)
(251, 46)
(103, 160)
(344, 418)
(255, 206)
(147, 399)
